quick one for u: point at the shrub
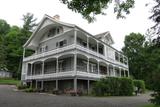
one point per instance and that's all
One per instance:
(99, 88)
(140, 85)
(113, 86)
(156, 88)
(20, 86)
(31, 90)
(126, 87)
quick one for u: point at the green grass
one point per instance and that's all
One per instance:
(9, 81)
(150, 105)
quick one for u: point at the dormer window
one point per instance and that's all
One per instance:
(55, 31)
(43, 49)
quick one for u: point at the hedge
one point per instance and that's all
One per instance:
(140, 85)
(113, 86)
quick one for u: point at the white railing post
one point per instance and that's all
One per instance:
(31, 69)
(42, 67)
(87, 42)
(57, 66)
(108, 69)
(98, 68)
(24, 51)
(75, 63)
(88, 65)
(120, 69)
(75, 36)
(97, 47)
(75, 85)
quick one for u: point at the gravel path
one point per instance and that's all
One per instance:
(9, 97)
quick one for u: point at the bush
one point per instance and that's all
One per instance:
(156, 88)
(31, 90)
(21, 86)
(126, 87)
(140, 85)
(112, 86)
(99, 88)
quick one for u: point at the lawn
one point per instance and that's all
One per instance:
(9, 81)
(150, 105)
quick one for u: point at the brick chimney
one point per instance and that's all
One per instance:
(56, 17)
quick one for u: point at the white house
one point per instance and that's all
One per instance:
(5, 74)
(68, 57)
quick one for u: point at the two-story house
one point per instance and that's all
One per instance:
(68, 57)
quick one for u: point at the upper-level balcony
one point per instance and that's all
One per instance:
(79, 40)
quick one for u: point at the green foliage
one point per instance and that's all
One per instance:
(156, 87)
(21, 86)
(89, 8)
(9, 81)
(126, 87)
(11, 41)
(4, 27)
(30, 90)
(113, 86)
(139, 84)
(99, 88)
(134, 50)
(150, 105)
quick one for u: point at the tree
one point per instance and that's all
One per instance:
(156, 16)
(134, 49)
(2, 54)
(14, 49)
(15, 39)
(4, 29)
(155, 52)
(89, 8)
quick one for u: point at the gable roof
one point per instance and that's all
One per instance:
(107, 33)
(65, 24)
(41, 23)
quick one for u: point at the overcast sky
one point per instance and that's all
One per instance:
(137, 21)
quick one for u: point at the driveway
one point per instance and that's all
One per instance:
(9, 97)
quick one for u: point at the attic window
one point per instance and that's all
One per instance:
(55, 31)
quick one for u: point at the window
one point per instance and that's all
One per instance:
(61, 43)
(52, 32)
(116, 56)
(55, 31)
(43, 49)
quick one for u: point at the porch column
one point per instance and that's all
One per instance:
(87, 42)
(97, 48)
(98, 67)
(42, 82)
(57, 67)
(24, 51)
(128, 73)
(114, 71)
(31, 85)
(36, 84)
(108, 70)
(43, 67)
(31, 69)
(56, 84)
(120, 72)
(75, 63)
(75, 36)
(34, 70)
(88, 86)
(75, 84)
(124, 72)
(88, 65)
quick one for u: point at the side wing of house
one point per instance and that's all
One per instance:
(46, 36)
